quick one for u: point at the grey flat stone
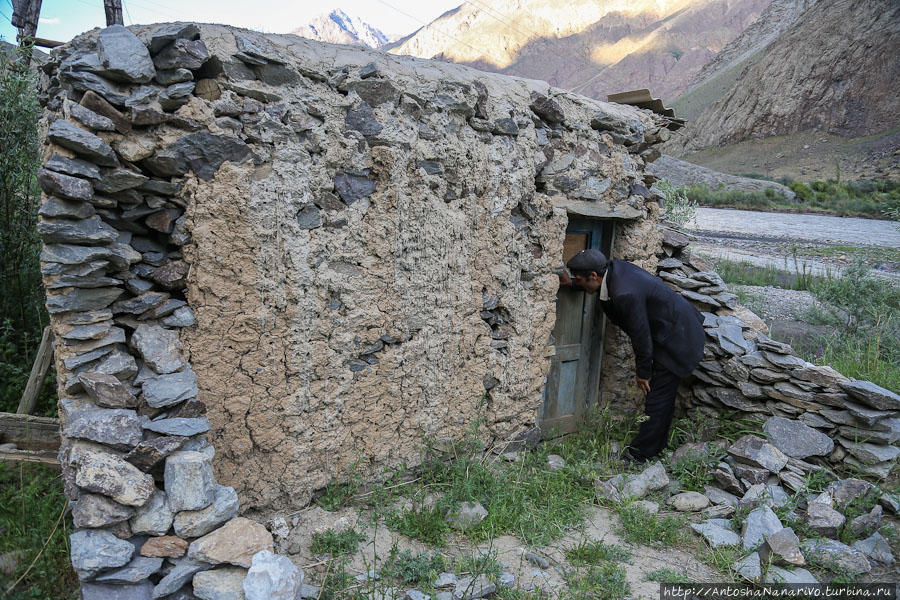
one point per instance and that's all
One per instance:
(167, 34)
(117, 180)
(836, 555)
(758, 452)
(865, 415)
(95, 550)
(759, 523)
(352, 187)
(182, 573)
(106, 390)
(869, 453)
(65, 186)
(823, 519)
(182, 54)
(89, 118)
(189, 481)
(179, 426)
(118, 364)
(785, 545)
(196, 523)
(82, 142)
(139, 569)
(107, 474)
(716, 535)
(116, 427)
(173, 76)
(650, 479)
(777, 574)
(139, 304)
(201, 152)
(153, 518)
(749, 567)
(72, 166)
(85, 231)
(94, 510)
(106, 591)
(124, 56)
(876, 548)
(160, 348)
(149, 453)
(872, 395)
(796, 439)
(718, 496)
(60, 208)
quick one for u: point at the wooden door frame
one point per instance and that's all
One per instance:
(602, 237)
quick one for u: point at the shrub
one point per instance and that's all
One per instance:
(22, 311)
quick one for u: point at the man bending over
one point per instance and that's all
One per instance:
(666, 333)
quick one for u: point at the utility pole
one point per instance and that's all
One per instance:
(113, 10)
(25, 19)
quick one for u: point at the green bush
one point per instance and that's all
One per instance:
(22, 312)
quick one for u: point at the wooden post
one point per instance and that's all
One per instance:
(38, 373)
(113, 10)
(25, 18)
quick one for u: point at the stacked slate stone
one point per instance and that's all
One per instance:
(744, 371)
(151, 520)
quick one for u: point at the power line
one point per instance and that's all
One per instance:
(127, 13)
(491, 13)
(2, 14)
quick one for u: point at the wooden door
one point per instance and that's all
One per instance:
(573, 384)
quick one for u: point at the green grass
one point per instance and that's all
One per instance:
(869, 254)
(594, 552)
(597, 582)
(792, 277)
(425, 524)
(413, 567)
(336, 543)
(640, 527)
(667, 576)
(695, 472)
(876, 199)
(31, 505)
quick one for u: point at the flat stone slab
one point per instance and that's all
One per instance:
(756, 451)
(95, 550)
(716, 535)
(124, 56)
(760, 522)
(796, 439)
(842, 556)
(196, 523)
(82, 142)
(872, 395)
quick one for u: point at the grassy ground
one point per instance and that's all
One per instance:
(34, 530)
(863, 318)
(878, 199)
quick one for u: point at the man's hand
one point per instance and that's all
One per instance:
(644, 384)
(564, 279)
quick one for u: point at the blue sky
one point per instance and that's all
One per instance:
(63, 19)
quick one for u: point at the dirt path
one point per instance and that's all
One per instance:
(780, 239)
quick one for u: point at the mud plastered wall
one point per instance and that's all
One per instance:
(366, 243)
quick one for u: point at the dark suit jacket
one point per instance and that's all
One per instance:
(665, 330)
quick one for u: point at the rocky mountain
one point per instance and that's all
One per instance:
(337, 27)
(834, 70)
(592, 47)
(722, 71)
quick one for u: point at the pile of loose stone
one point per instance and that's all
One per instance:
(750, 478)
(151, 520)
(745, 372)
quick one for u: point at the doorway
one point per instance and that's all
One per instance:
(574, 380)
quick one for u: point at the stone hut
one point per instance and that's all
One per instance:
(268, 259)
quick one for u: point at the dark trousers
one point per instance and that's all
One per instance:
(659, 406)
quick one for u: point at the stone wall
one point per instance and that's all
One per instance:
(310, 256)
(809, 412)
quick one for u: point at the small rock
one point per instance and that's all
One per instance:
(651, 508)
(94, 550)
(716, 535)
(92, 510)
(196, 523)
(650, 479)
(689, 501)
(182, 54)
(167, 546)
(760, 523)
(220, 584)
(785, 545)
(272, 577)
(469, 588)
(866, 523)
(876, 548)
(169, 389)
(189, 482)
(794, 576)
(555, 463)
(178, 426)
(836, 556)
(717, 496)
(155, 517)
(181, 573)
(749, 567)
(108, 591)
(115, 427)
(468, 515)
(846, 490)
(139, 569)
(82, 142)
(160, 348)
(758, 452)
(107, 391)
(823, 519)
(149, 453)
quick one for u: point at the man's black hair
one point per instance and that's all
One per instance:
(587, 261)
